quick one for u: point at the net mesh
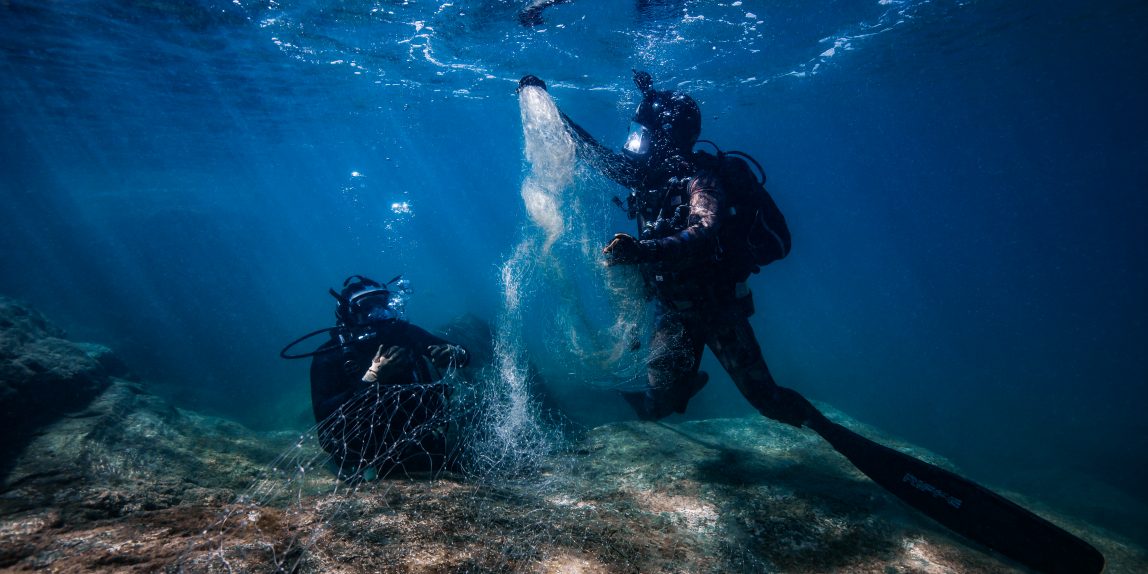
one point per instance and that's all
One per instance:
(469, 473)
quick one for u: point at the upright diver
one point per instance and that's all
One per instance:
(705, 224)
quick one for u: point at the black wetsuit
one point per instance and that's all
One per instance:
(698, 279)
(395, 423)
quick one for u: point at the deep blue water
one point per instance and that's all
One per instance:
(965, 181)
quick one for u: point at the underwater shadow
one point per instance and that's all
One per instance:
(797, 511)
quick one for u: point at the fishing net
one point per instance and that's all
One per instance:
(472, 472)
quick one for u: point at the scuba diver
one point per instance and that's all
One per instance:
(377, 387)
(705, 224)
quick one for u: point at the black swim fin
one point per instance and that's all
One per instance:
(965, 507)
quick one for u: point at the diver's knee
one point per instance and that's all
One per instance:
(644, 405)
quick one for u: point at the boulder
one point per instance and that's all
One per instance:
(43, 375)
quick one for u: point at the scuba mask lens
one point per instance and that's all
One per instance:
(638, 142)
(380, 314)
(373, 307)
(364, 301)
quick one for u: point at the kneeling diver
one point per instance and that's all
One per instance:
(377, 387)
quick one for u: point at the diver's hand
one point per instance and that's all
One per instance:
(387, 363)
(531, 15)
(644, 82)
(444, 356)
(625, 250)
(530, 80)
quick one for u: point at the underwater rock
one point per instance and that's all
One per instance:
(85, 450)
(38, 364)
(112, 364)
(128, 483)
(42, 375)
(731, 495)
(89, 485)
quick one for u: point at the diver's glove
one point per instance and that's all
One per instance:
(530, 80)
(625, 250)
(387, 363)
(446, 355)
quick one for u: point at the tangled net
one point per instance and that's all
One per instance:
(469, 473)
